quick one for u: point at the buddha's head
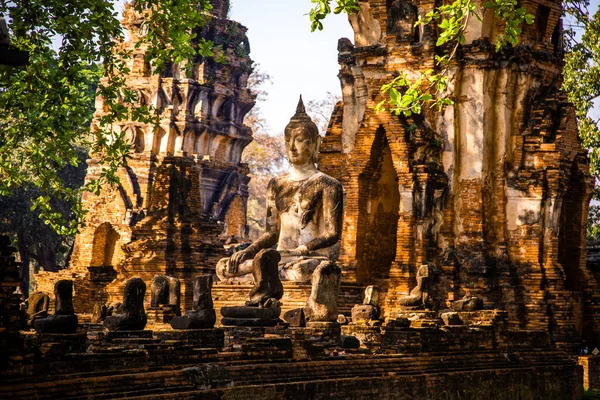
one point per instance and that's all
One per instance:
(302, 139)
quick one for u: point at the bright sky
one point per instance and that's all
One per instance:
(298, 60)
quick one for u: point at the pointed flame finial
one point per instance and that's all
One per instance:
(301, 114)
(300, 108)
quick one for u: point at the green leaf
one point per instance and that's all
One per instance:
(394, 95)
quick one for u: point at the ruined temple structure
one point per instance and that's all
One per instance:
(481, 206)
(492, 192)
(185, 185)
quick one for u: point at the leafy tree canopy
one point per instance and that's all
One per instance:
(582, 84)
(406, 96)
(46, 107)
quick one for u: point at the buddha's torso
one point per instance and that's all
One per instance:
(300, 209)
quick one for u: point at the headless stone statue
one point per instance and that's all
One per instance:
(325, 288)
(63, 290)
(64, 319)
(371, 295)
(202, 297)
(165, 299)
(304, 212)
(262, 307)
(37, 306)
(267, 284)
(203, 315)
(419, 296)
(131, 315)
(369, 309)
(165, 290)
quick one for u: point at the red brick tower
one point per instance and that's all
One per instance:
(185, 185)
(493, 192)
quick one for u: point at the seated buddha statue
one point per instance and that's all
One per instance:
(304, 212)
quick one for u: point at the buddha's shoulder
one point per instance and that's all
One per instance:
(280, 180)
(326, 180)
(319, 178)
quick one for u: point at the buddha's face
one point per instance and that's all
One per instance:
(300, 146)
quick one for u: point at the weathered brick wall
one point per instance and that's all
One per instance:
(204, 373)
(220, 8)
(493, 190)
(235, 219)
(591, 371)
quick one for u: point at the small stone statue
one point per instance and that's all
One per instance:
(203, 315)
(203, 292)
(371, 295)
(131, 315)
(63, 290)
(325, 288)
(419, 296)
(262, 307)
(304, 212)
(368, 310)
(64, 319)
(37, 306)
(165, 290)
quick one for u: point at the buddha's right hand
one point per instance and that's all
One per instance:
(235, 260)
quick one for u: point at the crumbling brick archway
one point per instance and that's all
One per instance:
(379, 201)
(103, 247)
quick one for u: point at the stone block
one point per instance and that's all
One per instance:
(268, 347)
(251, 312)
(468, 304)
(56, 324)
(451, 318)
(323, 325)
(295, 317)
(349, 342)
(365, 312)
(591, 371)
(163, 314)
(196, 319)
